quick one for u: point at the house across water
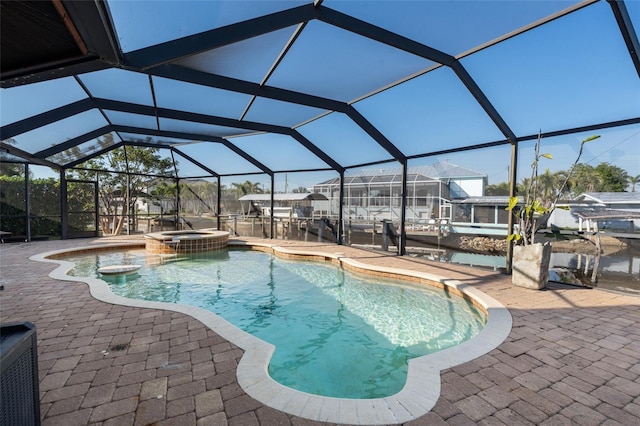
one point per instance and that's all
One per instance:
(285, 205)
(613, 212)
(375, 194)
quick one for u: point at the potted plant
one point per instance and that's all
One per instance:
(530, 261)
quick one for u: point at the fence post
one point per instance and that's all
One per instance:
(385, 241)
(320, 231)
(373, 233)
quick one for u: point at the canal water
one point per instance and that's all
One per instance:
(616, 271)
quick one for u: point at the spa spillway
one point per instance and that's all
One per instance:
(184, 242)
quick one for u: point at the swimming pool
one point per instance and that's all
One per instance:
(336, 333)
(422, 388)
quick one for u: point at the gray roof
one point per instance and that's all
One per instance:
(438, 171)
(486, 200)
(607, 214)
(296, 196)
(446, 170)
(611, 197)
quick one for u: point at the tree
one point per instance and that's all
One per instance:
(501, 188)
(247, 187)
(547, 184)
(44, 205)
(563, 176)
(584, 179)
(115, 201)
(613, 178)
(521, 188)
(74, 153)
(602, 178)
(300, 190)
(197, 197)
(633, 180)
(163, 194)
(11, 169)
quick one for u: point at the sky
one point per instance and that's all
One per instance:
(572, 72)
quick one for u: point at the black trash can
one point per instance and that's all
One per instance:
(19, 390)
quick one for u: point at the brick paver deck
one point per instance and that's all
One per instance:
(572, 356)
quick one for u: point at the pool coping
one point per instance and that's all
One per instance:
(420, 392)
(185, 235)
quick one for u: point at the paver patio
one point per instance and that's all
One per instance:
(572, 357)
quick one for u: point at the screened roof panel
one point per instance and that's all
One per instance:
(346, 82)
(84, 149)
(337, 64)
(120, 118)
(493, 162)
(200, 128)
(103, 163)
(131, 137)
(343, 140)
(60, 131)
(10, 158)
(585, 76)
(190, 97)
(432, 112)
(296, 181)
(133, 165)
(616, 146)
(248, 60)
(159, 140)
(633, 7)
(264, 110)
(121, 85)
(25, 101)
(186, 168)
(175, 19)
(219, 158)
(450, 26)
(279, 152)
(368, 175)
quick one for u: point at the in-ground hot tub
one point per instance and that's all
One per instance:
(171, 242)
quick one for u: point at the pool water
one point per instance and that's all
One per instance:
(336, 333)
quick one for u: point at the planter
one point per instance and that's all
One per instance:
(530, 267)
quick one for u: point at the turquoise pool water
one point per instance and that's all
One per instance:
(336, 333)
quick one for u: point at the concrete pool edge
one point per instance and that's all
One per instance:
(421, 390)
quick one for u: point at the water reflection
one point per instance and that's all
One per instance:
(615, 270)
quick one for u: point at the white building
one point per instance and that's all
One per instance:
(375, 194)
(591, 211)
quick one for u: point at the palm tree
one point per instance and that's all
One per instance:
(247, 187)
(521, 188)
(585, 179)
(633, 180)
(547, 184)
(561, 176)
(501, 188)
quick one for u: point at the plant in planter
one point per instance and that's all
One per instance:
(530, 263)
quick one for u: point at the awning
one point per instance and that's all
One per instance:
(607, 214)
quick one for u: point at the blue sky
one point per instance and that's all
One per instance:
(572, 72)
